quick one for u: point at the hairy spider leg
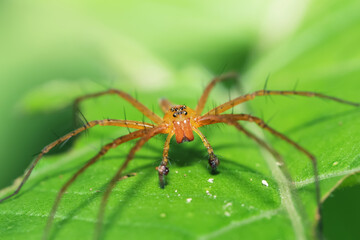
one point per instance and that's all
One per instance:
(93, 160)
(247, 97)
(46, 149)
(213, 160)
(142, 108)
(163, 169)
(230, 104)
(201, 104)
(150, 133)
(211, 119)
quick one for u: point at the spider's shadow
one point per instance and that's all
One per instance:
(193, 156)
(56, 173)
(70, 215)
(185, 156)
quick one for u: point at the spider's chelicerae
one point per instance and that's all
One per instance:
(178, 120)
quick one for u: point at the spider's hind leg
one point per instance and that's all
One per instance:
(213, 159)
(163, 169)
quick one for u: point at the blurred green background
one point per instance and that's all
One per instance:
(53, 51)
(141, 45)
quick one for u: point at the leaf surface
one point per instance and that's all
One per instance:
(236, 203)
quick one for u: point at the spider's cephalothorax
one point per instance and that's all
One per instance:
(181, 119)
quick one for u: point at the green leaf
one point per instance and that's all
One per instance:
(235, 204)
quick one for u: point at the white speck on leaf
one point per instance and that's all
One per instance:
(211, 180)
(188, 200)
(227, 209)
(265, 183)
(228, 205)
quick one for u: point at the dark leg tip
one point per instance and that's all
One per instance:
(213, 162)
(163, 171)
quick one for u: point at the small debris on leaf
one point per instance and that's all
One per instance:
(265, 183)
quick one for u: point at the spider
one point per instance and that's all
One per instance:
(178, 120)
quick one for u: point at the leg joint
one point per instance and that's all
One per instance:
(163, 170)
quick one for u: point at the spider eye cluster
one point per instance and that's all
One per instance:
(178, 111)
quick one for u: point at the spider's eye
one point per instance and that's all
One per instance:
(174, 115)
(185, 112)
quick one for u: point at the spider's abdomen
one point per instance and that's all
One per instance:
(183, 131)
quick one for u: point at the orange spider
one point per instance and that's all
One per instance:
(178, 120)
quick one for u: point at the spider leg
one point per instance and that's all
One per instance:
(163, 169)
(165, 104)
(213, 160)
(211, 119)
(150, 133)
(201, 104)
(46, 149)
(247, 97)
(101, 153)
(142, 108)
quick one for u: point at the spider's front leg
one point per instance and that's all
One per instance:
(163, 169)
(213, 160)
(182, 121)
